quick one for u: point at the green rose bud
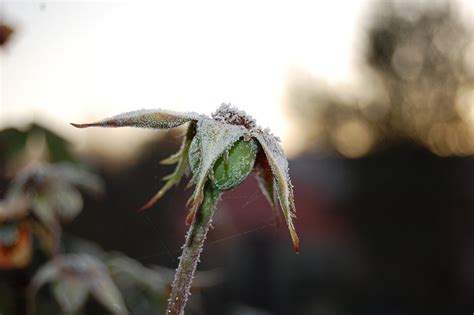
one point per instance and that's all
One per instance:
(232, 167)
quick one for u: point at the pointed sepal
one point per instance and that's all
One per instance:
(213, 139)
(266, 182)
(279, 167)
(145, 118)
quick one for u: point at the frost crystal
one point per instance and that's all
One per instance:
(231, 115)
(145, 118)
(279, 166)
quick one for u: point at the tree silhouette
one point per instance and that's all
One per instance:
(420, 75)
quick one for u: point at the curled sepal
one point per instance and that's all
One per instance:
(279, 166)
(266, 182)
(181, 157)
(73, 277)
(212, 140)
(145, 118)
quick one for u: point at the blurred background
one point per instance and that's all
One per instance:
(373, 100)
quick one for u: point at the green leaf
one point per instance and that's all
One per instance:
(145, 118)
(279, 166)
(181, 157)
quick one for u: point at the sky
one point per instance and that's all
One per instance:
(81, 61)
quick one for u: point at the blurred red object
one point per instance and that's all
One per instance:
(5, 33)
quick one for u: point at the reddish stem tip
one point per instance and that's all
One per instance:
(190, 218)
(296, 247)
(148, 204)
(81, 125)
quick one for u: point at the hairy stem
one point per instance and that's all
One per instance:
(192, 249)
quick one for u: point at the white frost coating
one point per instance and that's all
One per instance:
(149, 118)
(271, 144)
(89, 272)
(215, 138)
(279, 165)
(231, 115)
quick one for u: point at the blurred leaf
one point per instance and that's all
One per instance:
(66, 202)
(44, 211)
(70, 294)
(12, 142)
(131, 271)
(50, 191)
(83, 179)
(13, 208)
(58, 148)
(105, 291)
(84, 273)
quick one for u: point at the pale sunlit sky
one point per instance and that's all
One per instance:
(77, 61)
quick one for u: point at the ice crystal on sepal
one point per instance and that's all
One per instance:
(145, 118)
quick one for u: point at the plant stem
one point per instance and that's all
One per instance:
(192, 249)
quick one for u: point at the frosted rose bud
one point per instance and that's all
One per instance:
(232, 167)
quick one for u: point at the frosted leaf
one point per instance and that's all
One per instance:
(231, 115)
(83, 272)
(107, 293)
(145, 118)
(44, 176)
(75, 176)
(66, 202)
(214, 139)
(50, 192)
(70, 294)
(279, 166)
(45, 274)
(181, 157)
(127, 270)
